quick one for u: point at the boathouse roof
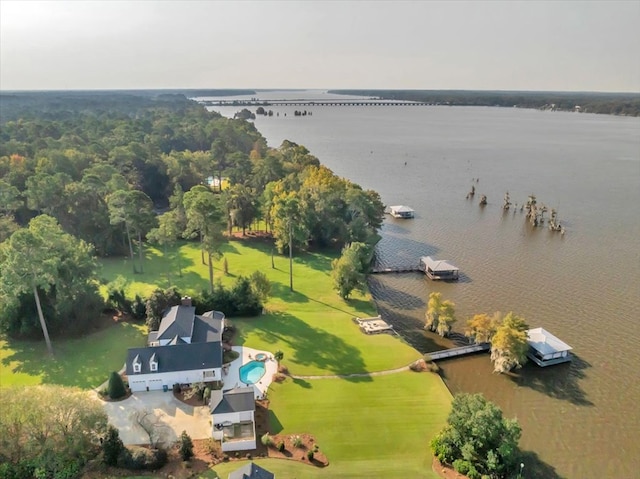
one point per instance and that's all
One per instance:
(401, 209)
(546, 343)
(436, 265)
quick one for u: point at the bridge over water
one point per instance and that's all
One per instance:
(305, 102)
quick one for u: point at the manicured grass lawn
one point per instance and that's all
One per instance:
(84, 362)
(312, 325)
(368, 427)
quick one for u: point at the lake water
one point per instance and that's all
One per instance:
(579, 420)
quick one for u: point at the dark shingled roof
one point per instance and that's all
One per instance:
(178, 321)
(236, 400)
(208, 327)
(251, 471)
(181, 357)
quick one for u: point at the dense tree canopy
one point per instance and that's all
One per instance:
(114, 171)
(48, 431)
(43, 266)
(477, 440)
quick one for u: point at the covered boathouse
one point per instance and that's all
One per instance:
(438, 269)
(545, 349)
(401, 211)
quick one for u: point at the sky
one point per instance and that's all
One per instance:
(476, 45)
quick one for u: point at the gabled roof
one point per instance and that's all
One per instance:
(176, 340)
(181, 357)
(208, 327)
(236, 400)
(251, 471)
(438, 264)
(177, 321)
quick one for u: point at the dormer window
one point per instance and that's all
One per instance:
(137, 365)
(153, 363)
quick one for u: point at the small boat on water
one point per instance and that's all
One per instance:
(401, 211)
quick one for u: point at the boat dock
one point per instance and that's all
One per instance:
(397, 269)
(374, 325)
(461, 351)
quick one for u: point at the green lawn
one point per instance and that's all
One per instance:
(368, 427)
(376, 426)
(84, 362)
(313, 326)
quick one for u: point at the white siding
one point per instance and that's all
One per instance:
(155, 381)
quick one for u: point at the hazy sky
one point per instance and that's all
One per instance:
(575, 45)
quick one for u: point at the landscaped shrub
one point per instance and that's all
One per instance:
(278, 355)
(138, 308)
(116, 387)
(297, 441)
(241, 300)
(176, 388)
(229, 356)
(186, 446)
(266, 440)
(111, 446)
(281, 446)
(206, 395)
(310, 455)
(140, 458)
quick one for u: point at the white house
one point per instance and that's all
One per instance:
(185, 349)
(233, 420)
(401, 211)
(545, 349)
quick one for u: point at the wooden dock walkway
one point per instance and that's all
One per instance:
(461, 351)
(397, 269)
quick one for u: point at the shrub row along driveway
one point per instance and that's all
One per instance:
(168, 419)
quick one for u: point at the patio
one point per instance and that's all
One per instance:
(232, 375)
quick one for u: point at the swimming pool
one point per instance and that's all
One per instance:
(252, 372)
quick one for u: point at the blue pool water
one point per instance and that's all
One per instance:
(252, 372)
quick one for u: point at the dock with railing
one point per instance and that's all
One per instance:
(461, 351)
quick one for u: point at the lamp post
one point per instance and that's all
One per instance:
(521, 469)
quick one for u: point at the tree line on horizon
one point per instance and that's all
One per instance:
(625, 104)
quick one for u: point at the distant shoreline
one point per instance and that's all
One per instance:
(619, 104)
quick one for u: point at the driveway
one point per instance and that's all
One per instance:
(169, 416)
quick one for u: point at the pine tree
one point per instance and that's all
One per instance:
(116, 387)
(186, 446)
(111, 446)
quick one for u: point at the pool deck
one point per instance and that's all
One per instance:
(232, 377)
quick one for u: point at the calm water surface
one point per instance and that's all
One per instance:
(580, 420)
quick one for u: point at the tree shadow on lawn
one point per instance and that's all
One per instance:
(560, 381)
(311, 346)
(77, 362)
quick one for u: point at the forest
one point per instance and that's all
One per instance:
(88, 175)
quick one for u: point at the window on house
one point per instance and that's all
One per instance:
(137, 367)
(209, 374)
(154, 366)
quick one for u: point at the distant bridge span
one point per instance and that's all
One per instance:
(303, 102)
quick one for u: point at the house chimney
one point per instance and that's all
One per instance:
(186, 301)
